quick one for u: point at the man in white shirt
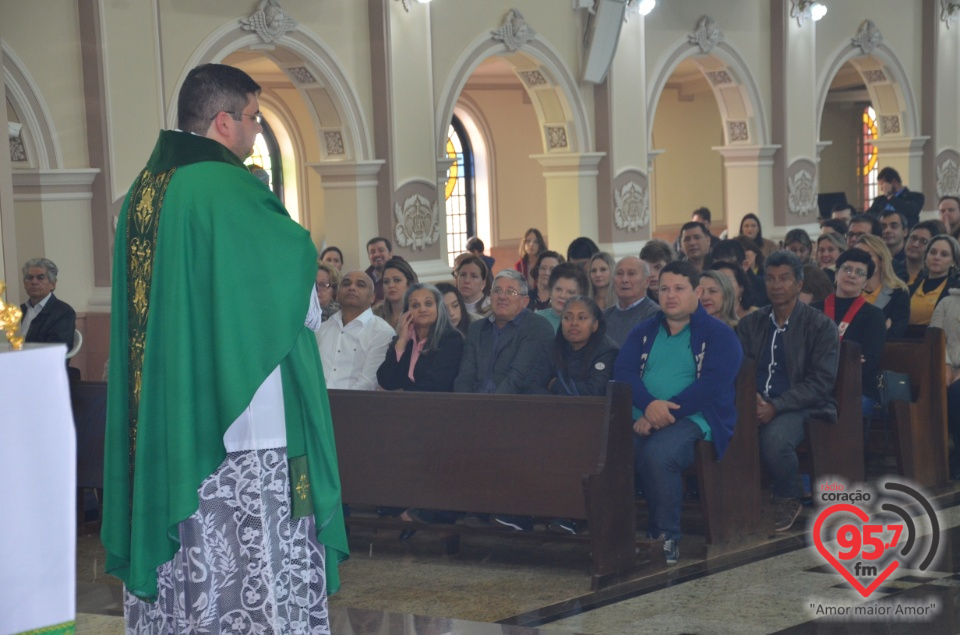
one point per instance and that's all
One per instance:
(353, 342)
(46, 318)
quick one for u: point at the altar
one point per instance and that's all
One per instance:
(38, 468)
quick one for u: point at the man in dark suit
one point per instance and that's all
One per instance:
(506, 352)
(895, 196)
(45, 318)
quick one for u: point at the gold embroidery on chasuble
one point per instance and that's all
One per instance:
(143, 219)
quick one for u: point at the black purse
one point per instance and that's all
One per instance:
(892, 386)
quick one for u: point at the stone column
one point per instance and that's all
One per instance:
(749, 183)
(905, 155)
(350, 201)
(794, 95)
(571, 181)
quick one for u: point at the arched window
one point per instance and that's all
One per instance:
(459, 191)
(867, 170)
(266, 155)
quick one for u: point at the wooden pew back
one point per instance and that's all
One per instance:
(509, 454)
(921, 426)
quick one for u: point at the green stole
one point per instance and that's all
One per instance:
(185, 363)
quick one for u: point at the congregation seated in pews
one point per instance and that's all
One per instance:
(670, 355)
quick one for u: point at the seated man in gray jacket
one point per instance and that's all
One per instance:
(506, 352)
(797, 351)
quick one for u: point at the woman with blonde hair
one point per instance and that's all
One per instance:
(601, 270)
(328, 281)
(718, 297)
(884, 289)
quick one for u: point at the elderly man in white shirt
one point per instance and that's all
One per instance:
(353, 342)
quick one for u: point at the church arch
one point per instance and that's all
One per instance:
(551, 87)
(732, 84)
(38, 135)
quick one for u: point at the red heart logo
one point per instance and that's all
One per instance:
(818, 541)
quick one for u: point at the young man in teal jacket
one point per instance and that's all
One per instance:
(682, 366)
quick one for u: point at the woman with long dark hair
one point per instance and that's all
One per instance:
(751, 228)
(398, 276)
(530, 247)
(456, 306)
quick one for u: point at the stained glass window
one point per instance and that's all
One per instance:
(266, 155)
(458, 191)
(867, 170)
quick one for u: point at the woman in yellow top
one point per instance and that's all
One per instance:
(941, 264)
(884, 289)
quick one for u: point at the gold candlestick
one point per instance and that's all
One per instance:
(10, 315)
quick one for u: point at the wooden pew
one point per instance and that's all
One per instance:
(89, 402)
(836, 449)
(540, 456)
(921, 426)
(730, 488)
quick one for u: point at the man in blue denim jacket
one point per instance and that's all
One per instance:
(682, 366)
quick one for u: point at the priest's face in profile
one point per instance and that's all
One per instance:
(247, 129)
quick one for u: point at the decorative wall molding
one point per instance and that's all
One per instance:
(707, 35)
(738, 131)
(868, 37)
(631, 201)
(301, 75)
(874, 76)
(889, 124)
(53, 185)
(948, 173)
(333, 144)
(533, 78)
(18, 154)
(270, 22)
(514, 32)
(418, 222)
(556, 137)
(719, 78)
(802, 188)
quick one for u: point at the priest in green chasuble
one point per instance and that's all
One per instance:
(222, 508)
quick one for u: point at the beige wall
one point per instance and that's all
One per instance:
(521, 200)
(689, 174)
(841, 125)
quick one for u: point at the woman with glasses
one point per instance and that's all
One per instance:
(941, 264)
(884, 289)
(328, 281)
(473, 281)
(398, 275)
(566, 280)
(858, 320)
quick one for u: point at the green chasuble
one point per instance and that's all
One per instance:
(211, 286)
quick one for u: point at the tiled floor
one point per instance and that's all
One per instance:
(504, 585)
